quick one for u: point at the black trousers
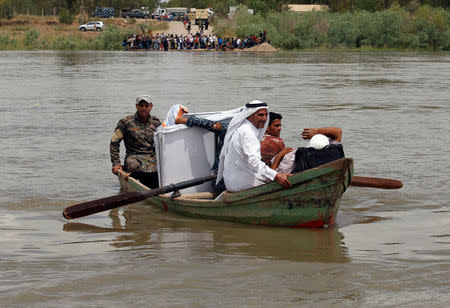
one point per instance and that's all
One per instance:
(149, 179)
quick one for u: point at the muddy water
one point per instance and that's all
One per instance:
(389, 248)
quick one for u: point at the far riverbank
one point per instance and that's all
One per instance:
(425, 28)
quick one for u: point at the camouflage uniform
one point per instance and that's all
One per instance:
(139, 145)
(218, 128)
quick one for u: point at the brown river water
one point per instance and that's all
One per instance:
(390, 248)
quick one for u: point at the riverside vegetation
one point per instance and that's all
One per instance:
(396, 28)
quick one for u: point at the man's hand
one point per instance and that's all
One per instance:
(277, 160)
(284, 151)
(308, 133)
(282, 179)
(115, 169)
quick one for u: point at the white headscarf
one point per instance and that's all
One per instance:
(235, 123)
(174, 112)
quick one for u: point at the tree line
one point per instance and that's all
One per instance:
(9, 8)
(264, 6)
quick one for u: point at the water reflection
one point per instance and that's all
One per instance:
(157, 233)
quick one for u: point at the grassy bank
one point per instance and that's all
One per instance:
(36, 32)
(398, 29)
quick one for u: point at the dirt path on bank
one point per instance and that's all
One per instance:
(177, 27)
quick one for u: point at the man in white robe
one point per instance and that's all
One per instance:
(240, 159)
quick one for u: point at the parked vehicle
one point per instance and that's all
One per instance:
(135, 13)
(177, 13)
(92, 26)
(201, 15)
(159, 12)
(103, 12)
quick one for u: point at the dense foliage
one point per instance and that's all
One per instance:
(65, 17)
(9, 8)
(265, 6)
(396, 28)
(52, 7)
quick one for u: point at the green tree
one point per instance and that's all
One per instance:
(368, 5)
(340, 5)
(65, 17)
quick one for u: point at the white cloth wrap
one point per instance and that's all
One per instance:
(172, 115)
(235, 123)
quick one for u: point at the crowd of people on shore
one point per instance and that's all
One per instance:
(165, 42)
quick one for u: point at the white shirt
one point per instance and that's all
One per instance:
(243, 167)
(287, 163)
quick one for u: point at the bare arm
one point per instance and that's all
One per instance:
(334, 133)
(279, 158)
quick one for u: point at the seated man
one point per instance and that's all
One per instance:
(272, 144)
(240, 162)
(303, 158)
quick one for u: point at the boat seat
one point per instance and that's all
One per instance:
(199, 195)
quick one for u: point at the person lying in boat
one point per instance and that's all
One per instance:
(240, 163)
(272, 144)
(324, 146)
(219, 128)
(136, 131)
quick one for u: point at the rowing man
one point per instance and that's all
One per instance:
(136, 131)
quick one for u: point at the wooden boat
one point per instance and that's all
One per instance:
(313, 201)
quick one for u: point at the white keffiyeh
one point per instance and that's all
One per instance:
(235, 123)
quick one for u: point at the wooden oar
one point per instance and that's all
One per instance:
(361, 181)
(108, 203)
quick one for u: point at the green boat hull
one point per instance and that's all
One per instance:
(313, 201)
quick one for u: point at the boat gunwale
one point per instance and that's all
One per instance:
(233, 198)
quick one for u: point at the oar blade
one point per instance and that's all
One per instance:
(104, 204)
(108, 203)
